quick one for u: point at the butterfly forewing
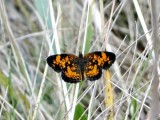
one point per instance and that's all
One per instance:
(60, 61)
(102, 59)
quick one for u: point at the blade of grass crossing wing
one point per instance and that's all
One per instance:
(45, 8)
(85, 48)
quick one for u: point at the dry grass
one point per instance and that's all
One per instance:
(32, 30)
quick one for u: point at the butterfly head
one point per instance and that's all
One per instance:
(80, 55)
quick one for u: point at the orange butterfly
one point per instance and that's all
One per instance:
(75, 69)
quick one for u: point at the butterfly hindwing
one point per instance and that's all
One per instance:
(72, 73)
(92, 71)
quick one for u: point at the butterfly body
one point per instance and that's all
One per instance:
(75, 69)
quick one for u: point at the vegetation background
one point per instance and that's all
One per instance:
(31, 30)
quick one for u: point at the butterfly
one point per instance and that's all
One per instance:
(75, 69)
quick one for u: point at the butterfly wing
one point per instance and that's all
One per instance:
(60, 61)
(92, 71)
(65, 63)
(96, 61)
(72, 73)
